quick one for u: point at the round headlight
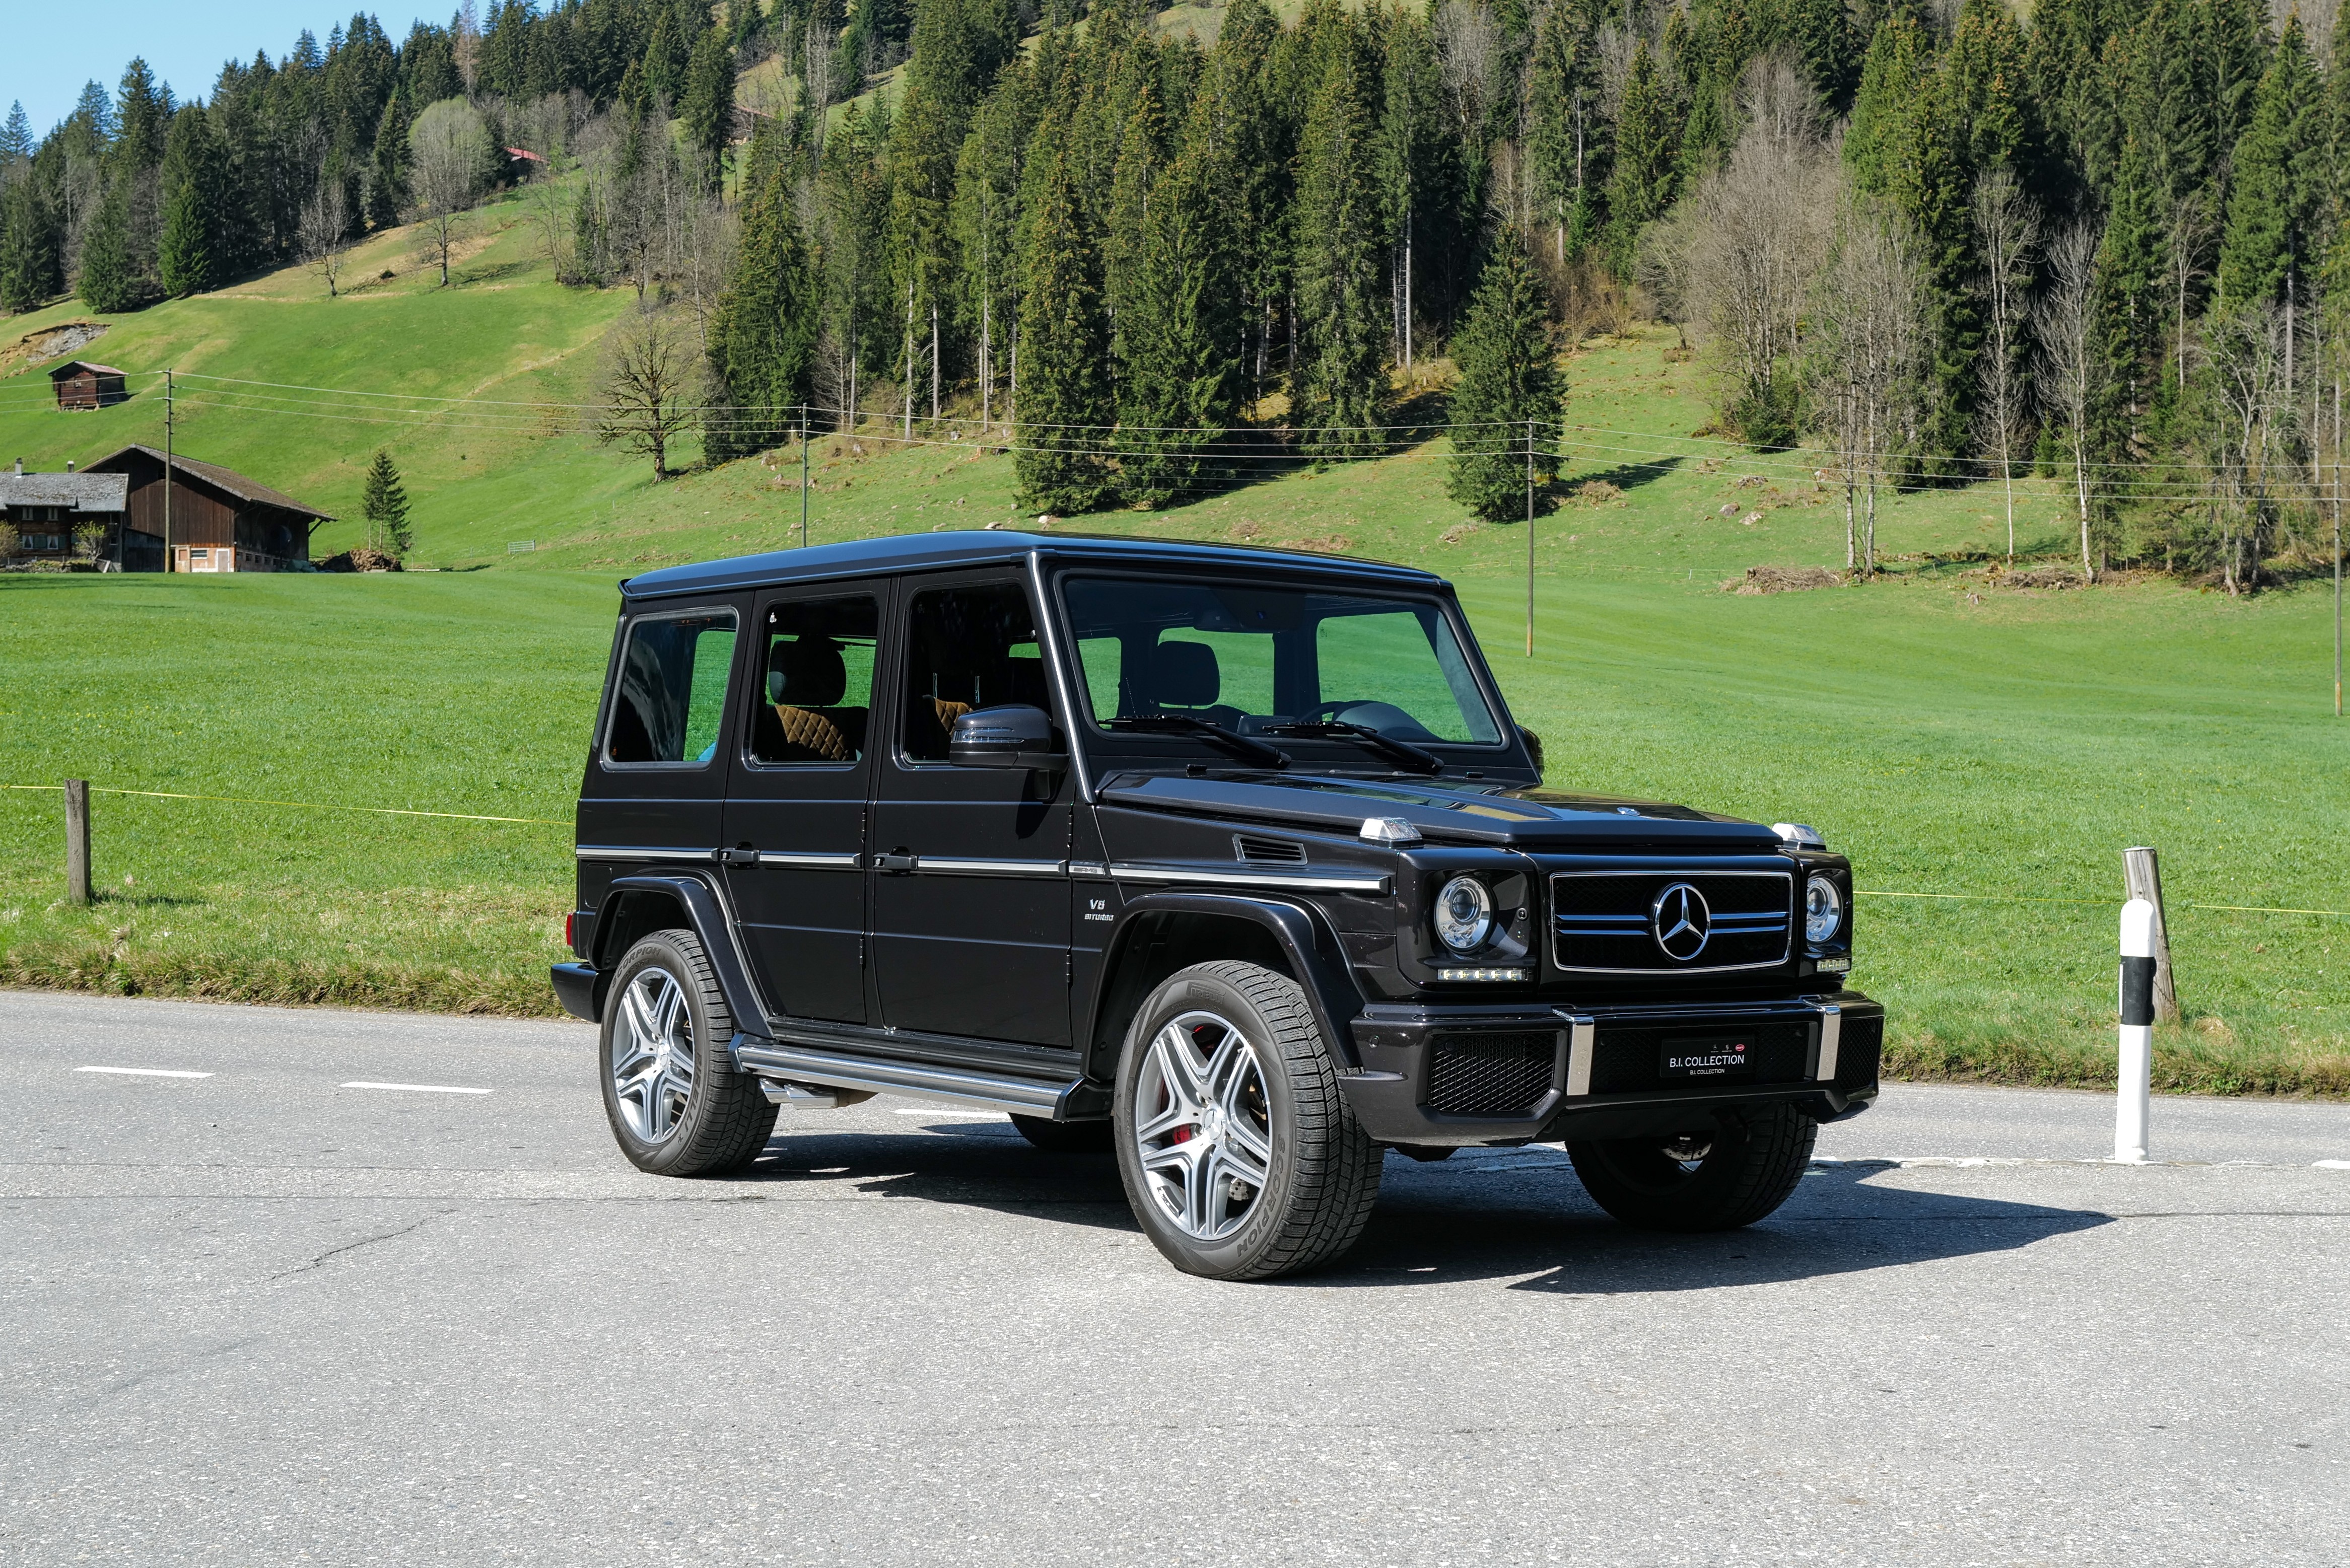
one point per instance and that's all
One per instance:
(1823, 909)
(1464, 914)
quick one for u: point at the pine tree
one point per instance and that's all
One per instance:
(1641, 185)
(29, 245)
(109, 285)
(1420, 174)
(189, 259)
(1126, 237)
(708, 111)
(2270, 244)
(16, 136)
(1064, 404)
(1508, 400)
(666, 61)
(1180, 385)
(1823, 34)
(387, 191)
(1563, 100)
(986, 220)
(763, 343)
(384, 504)
(1339, 393)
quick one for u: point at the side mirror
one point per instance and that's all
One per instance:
(1014, 735)
(1534, 746)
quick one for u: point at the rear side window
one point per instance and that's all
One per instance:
(818, 667)
(672, 691)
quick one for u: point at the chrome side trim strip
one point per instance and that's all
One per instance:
(957, 867)
(638, 852)
(1029, 1097)
(1831, 1036)
(1087, 868)
(1299, 881)
(811, 860)
(1583, 1033)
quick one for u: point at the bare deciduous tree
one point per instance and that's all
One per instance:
(2247, 349)
(651, 369)
(1738, 260)
(450, 145)
(1870, 324)
(2071, 368)
(2007, 232)
(325, 232)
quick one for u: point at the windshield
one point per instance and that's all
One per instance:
(1258, 660)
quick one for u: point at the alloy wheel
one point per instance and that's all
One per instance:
(1202, 1126)
(653, 1054)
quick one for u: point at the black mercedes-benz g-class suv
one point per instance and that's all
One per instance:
(1230, 860)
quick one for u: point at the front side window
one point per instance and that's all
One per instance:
(1256, 661)
(967, 648)
(818, 667)
(672, 689)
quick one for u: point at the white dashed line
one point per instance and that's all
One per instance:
(416, 1089)
(144, 1072)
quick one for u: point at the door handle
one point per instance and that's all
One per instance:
(746, 856)
(899, 862)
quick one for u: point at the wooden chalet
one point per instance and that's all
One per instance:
(220, 520)
(79, 384)
(44, 512)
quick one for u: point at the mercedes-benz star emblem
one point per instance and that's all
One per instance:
(1681, 922)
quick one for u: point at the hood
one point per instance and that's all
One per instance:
(1515, 816)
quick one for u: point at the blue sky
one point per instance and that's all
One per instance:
(53, 46)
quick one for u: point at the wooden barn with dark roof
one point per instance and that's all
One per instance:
(80, 384)
(219, 521)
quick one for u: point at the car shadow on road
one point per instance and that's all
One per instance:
(1553, 1237)
(977, 1165)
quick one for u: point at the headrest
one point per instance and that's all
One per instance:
(1184, 675)
(807, 673)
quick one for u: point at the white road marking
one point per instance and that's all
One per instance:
(144, 1072)
(416, 1089)
(942, 1115)
(2334, 1164)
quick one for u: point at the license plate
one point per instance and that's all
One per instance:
(1708, 1059)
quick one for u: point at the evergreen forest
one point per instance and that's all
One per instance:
(1153, 252)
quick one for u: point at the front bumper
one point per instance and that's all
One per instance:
(1468, 1075)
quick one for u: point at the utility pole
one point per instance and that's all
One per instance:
(1530, 538)
(170, 561)
(804, 474)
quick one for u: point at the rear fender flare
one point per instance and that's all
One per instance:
(637, 906)
(1296, 933)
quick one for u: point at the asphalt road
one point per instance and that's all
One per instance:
(267, 1316)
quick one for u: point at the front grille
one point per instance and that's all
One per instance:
(1603, 921)
(1491, 1074)
(1859, 1049)
(1629, 1061)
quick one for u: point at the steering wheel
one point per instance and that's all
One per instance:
(1333, 709)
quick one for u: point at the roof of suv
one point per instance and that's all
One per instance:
(930, 552)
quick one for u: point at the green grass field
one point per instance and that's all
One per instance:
(1956, 738)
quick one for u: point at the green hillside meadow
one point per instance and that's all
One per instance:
(1983, 752)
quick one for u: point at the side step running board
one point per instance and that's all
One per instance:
(1072, 1099)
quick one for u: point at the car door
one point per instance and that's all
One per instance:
(796, 816)
(971, 886)
(655, 788)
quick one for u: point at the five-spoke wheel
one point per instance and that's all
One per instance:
(1240, 1158)
(1202, 1128)
(677, 1106)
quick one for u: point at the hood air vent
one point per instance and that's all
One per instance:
(1276, 851)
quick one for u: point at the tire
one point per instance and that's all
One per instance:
(1225, 1077)
(677, 1106)
(1745, 1169)
(1065, 1137)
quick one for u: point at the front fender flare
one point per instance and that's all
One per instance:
(1302, 934)
(705, 912)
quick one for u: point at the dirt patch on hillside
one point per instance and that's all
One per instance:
(49, 343)
(1784, 580)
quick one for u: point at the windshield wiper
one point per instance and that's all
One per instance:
(1388, 746)
(1187, 725)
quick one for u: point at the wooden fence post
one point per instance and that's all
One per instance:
(2143, 877)
(78, 841)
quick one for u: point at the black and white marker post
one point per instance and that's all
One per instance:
(2137, 1091)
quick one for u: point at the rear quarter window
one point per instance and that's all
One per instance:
(671, 698)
